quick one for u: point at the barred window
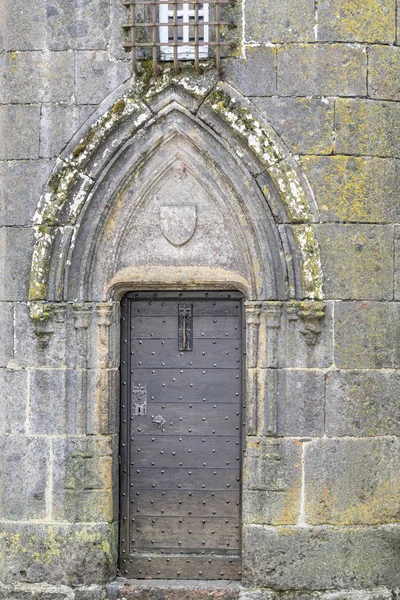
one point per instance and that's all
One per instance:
(168, 30)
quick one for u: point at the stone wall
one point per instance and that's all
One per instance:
(321, 502)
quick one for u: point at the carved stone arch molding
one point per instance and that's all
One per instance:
(110, 221)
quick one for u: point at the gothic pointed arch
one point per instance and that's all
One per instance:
(98, 219)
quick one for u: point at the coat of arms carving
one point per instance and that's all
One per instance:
(178, 223)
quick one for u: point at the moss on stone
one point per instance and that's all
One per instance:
(79, 149)
(119, 106)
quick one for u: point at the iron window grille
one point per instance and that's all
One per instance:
(172, 31)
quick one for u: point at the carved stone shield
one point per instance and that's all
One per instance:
(178, 223)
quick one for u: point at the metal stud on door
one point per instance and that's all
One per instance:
(181, 426)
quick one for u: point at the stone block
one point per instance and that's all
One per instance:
(6, 333)
(300, 400)
(16, 246)
(254, 76)
(365, 188)
(367, 127)
(173, 589)
(36, 591)
(357, 261)
(58, 124)
(78, 24)
(103, 401)
(49, 412)
(313, 558)
(92, 592)
(83, 479)
(322, 70)
(367, 335)
(286, 21)
(352, 482)
(397, 262)
(24, 121)
(21, 186)
(118, 37)
(63, 554)
(305, 124)
(384, 72)
(13, 400)
(97, 76)
(37, 77)
(357, 21)
(23, 25)
(362, 403)
(271, 480)
(23, 477)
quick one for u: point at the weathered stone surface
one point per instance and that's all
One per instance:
(300, 401)
(380, 593)
(6, 333)
(271, 481)
(49, 412)
(326, 70)
(397, 262)
(117, 37)
(255, 76)
(367, 334)
(305, 124)
(288, 21)
(384, 72)
(83, 480)
(270, 464)
(357, 261)
(293, 349)
(23, 25)
(365, 189)
(36, 591)
(23, 477)
(21, 185)
(36, 76)
(16, 245)
(362, 403)
(57, 126)
(162, 589)
(320, 557)
(58, 554)
(78, 24)
(29, 349)
(352, 482)
(92, 592)
(13, 400)
(97, 76)
(25, 120)
(358, 21)
(367, 127)
(46, 591)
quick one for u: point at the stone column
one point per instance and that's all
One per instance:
(267, 417)
(82, 319)
(253, 313)
(105, 415)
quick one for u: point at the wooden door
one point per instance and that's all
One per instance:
(181, 435)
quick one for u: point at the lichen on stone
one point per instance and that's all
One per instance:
(311, 269)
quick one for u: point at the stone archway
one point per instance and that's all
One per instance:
(98, 236)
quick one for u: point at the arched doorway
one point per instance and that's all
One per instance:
(102, 233)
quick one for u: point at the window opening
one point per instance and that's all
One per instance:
(175, 31)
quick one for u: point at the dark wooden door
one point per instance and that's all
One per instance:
(181, 432)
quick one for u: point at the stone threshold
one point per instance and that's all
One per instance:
(173, 589)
